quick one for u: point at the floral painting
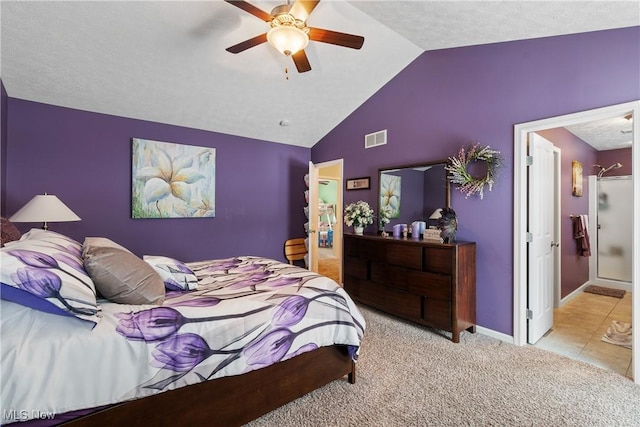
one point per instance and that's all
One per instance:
(390, 194)
(172, 180)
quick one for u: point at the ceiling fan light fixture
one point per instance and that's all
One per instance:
(287, 39)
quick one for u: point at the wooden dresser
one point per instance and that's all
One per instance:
(426, 282)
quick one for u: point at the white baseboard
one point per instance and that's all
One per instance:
(575, 293)
(494, 334)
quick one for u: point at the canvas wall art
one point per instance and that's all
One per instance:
(390, 194)
(576, 175)
(172, 180)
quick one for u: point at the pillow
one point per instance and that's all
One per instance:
(175, 274)
(121, 276)
(47, 277)
(8, 232)
(51, 238)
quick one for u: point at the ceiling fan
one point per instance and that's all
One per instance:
(289, 32)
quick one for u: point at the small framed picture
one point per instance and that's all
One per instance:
(358, 183)
(576, 172)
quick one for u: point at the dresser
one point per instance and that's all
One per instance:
(430, 283)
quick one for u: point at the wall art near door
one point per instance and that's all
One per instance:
(576, 174)
(172, 180)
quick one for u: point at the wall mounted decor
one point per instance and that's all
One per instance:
(390, 186)
(459, 169)
(576, 178)
(358, 183)
(172, 180)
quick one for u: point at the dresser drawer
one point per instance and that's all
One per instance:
(391, 300)
(355, 267)
(389, 275)
(404, 256)
(437, 313)
(351, 247)
(435, 286)
(438, 260)
(351, 286)
(373, 250)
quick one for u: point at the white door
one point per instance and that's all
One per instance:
(312, 244)
(541, 235)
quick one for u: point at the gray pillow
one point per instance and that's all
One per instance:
(121, 276)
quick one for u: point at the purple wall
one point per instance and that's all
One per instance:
(610, 157)
(85, 159)
(449, 98)
(575, 268)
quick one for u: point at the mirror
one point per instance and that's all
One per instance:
(413, 192)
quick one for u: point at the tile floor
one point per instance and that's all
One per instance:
(579, 325)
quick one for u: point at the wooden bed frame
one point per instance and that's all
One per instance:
(231, 401)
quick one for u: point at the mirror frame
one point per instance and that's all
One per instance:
(447, 186)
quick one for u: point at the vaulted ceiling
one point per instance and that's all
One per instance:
(166, 61)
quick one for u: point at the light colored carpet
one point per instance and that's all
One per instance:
(410, 376)
(618, 333)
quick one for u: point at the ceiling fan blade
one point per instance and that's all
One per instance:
(301, 9)
(262, 38)
(301, 61)
(248, 7)
(334, 37)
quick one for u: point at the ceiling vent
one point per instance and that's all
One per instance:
(375, 139)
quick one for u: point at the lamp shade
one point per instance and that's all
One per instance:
(287, 39)
(44, 208)
(437, 214)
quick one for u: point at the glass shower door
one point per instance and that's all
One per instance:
(615, 222)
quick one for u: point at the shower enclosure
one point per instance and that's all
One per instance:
(611, 210)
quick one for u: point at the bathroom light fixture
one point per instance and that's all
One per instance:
(44, 208)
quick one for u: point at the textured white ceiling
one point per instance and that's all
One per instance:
(606, 134)
(165, 61)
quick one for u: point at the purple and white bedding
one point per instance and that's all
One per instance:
(243, 314)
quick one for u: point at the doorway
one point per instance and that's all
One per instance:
(521, 132)
(325, 219)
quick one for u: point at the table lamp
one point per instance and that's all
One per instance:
(44, 208)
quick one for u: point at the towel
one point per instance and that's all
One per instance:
(581, 234)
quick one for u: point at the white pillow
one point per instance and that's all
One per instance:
(175, 274)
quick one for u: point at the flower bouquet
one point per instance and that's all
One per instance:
(358, 215)
(385, 218)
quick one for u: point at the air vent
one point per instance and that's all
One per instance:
(375, 139)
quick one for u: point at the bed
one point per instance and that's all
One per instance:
(220, 342)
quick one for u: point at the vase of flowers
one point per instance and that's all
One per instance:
(358, 215)
(385, 218)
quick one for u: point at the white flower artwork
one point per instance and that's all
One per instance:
(390, 194)
(172, 180)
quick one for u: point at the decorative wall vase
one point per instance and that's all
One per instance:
(358, 230)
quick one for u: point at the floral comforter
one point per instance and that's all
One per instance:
(247, 313)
